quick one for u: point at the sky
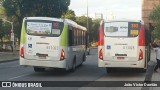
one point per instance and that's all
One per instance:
(111, 9)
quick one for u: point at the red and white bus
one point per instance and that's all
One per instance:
(123, 44)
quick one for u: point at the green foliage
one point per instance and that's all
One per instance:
(155, 17)
(94, 31)
(69, 15)
(4, 30)
(82, 20)
(23, 8)
(1, 30)
(93, 27)
(2, 12)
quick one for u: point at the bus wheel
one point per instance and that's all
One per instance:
(73, 66)
(37, 69)
(84, 59)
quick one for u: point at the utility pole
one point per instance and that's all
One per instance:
(87, 17)
(87, 37)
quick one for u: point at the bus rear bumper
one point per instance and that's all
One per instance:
(43, 63)
(138, 64)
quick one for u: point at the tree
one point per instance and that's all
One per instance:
(155, 17)
(1, 31)
(5, 28)
(95, 27)
(69, 15)
(82, 20)
(2, 12)
(16, 10)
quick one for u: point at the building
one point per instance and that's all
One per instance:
(147, 7)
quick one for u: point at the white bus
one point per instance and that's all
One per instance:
(125, 47)
(52, 43)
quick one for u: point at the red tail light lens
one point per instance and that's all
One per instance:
(142, 36)
(22, 52)
(140, 54)
(62, 57)
(101, 35)
(101, 54)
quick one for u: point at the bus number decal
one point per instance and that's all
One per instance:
(52, 47)
(128, 47)
(56, 25)
(134, 25)
(134, 32)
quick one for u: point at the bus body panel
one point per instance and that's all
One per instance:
(131, 62)
(119, 45)
(123, 47)
(49, 61)
(40, 47)
(43, 63)
(45, 51)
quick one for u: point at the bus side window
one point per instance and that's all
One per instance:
(85, 38)
(82, 38)
(70, 38)
(75, 37)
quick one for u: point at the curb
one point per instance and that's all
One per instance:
(9, 60)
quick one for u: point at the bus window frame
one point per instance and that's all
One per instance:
(45, 21)
(129, 29)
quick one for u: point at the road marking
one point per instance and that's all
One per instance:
(18, 76)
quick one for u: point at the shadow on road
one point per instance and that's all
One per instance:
(125, 73)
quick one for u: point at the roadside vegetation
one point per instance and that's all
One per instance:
(155, 17)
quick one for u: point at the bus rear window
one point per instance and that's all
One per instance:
(121, 29)
(45, 28)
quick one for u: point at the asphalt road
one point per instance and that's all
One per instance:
(11, 71)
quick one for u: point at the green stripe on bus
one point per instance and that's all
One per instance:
(23, 34)
(64, 36)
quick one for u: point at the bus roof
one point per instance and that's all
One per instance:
(69, 22)
(44, 18)
(74, 24)
(123, 20)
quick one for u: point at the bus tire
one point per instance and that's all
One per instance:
(84, 59)
(73, 65)
(37, 69)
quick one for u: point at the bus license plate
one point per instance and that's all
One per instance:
(120, 58)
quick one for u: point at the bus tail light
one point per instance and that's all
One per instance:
(140, 54)
(62, 57)
(22, 52)
(101, 54)
(142, 36)
(101, 35)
